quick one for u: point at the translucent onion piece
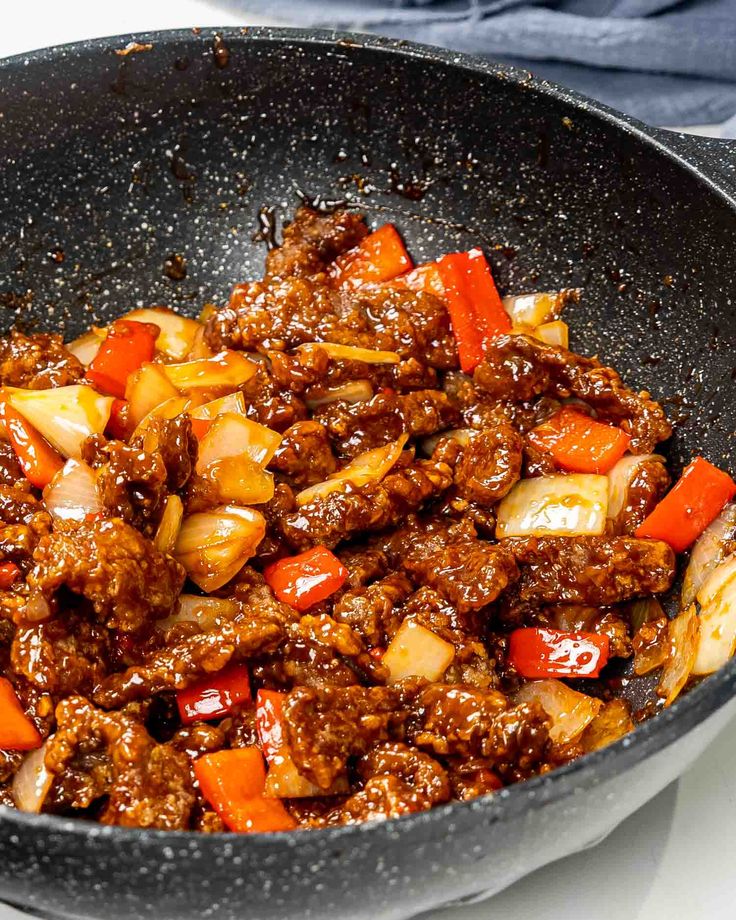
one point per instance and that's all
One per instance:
(65, 416)
(204, 611)
(170, 408)
(569, 505)
(284, 781)
(233, 402)
(177, 332)
(169, 525)
(683, 634)
(651, 645)
(85, 347)
(712, 547)
(570, 711)
(462, 435)
(352, 353)
(554, 333)
(370, 466)
(233, 435)
(417, 651)
(72, 494)
(620, 478)
(228, 369)
(717, 599)
(644, 611)
(32, 782)
(536, 309)
(146, 389)
(200, 349)
(354, 391)
(214, 545)
(240, 480)
(612, 722)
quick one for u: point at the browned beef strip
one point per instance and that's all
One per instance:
(18, 505)
(591, 570)
(11, 473)
(368, 609)
(313, 240)
(37, 361)
(18, 542)
(648, 485)
(304, 455)
(116, 568)
(518, 368)
(371, 507)
(326, 727)
(100, 753)
(490, 465)
(361, 426)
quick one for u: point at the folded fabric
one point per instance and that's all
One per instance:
(664, 61)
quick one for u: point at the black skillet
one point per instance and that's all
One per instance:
(114, 164)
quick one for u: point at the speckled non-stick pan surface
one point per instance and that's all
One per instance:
(149, 177)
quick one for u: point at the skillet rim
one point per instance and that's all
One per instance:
(649, 737)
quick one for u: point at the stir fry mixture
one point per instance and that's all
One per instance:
(366, 540)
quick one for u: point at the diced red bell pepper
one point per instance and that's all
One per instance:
(200, 426)
(17, 732)
(215, 696)
(539, 653)
(233, 783)
(127, 346)
(9, 573)
(117, 424)
(378, 257)
(579, 443)
(475, 307)
(270, 722)
(38, 459)
(425, 278)
(690, 506)
(306, 579)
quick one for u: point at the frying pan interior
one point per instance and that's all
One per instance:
(114, 164)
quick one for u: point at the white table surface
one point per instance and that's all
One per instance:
(670, 861)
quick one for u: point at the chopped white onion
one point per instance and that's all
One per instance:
(146, 390)
(233, 402)
(214, 545)
(240, 480)
(169, 525)
(72, 494)
(65, 416)
(85, 348)
(353, 353)
(170, 408)
(32, 782)
(177, 332)
(711, 549)
(620, 478)
(683, 634)
(234, 435)
(554, 333)
(227, 369)
(354, 391)
(204, 611)
(569, 710)
(416, 651)
(536, 309)
(717, 599)
(370, 466)
(284, 781)
(570, 505)
(462, 435)
(612, 722)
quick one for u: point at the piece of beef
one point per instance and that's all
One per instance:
(37, 362)
(11, 473)
(18, 505)
(270, 404)
(518, 368)
(490, 465)
(646, 487)
(313, 240)
(127, 580)
(368, 609)
(591, 570)
(304, 455)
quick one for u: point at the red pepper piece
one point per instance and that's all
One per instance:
(38, 459)
(200, 426)
(306, 579)
(690, 506)
(233, 783)
(378, 257)
(476, 311)
(128, 345)
(9, 573)
(270, 721)
(17, 732)
(579, 443)
(538, 653)
(216, 696)
(117, 424)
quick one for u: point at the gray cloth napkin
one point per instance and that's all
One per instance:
(668, 62)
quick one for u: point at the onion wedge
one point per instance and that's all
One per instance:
(177, 333)
(462, 435)
(569, 505)
(233, 402)
(204, 611)
(169, 525)
(284, 781)
(370, 466)
(234, 435)
(620, 478)
(85, 348)
(72, 494)
(709, 552)
(240, 480)
(147, 388)
(354, 391)
(214, 545)
(353, 353)
(65, 416)
(416, 651)
(228, 369)
(717, 599)
(32, 782)
(570, 711)
(554, 333)
(537, 309)
(683, 648)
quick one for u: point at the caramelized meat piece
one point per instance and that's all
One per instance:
(11, 473)
(517, 367)
(110, 563)
(326, 727)
(313, 240)
(97, 753)
(368, 609)
(272, 405)
(648, 485)
(371, 507)
(132, 483)
(37, 362)
(490, 465)
(305, 455)
(18, 505)
(591, 570)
